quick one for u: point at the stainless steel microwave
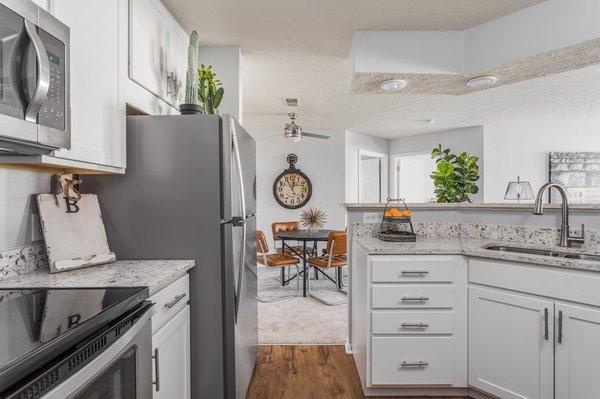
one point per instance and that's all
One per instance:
(34, 80)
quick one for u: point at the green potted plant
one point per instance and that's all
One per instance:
(191, 104)
(210, 89)
(455, 177)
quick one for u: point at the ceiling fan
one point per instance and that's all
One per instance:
(293, 132)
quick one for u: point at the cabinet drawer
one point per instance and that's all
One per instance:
(169, 301)
(412, 296)
(412, 361)
(413, 269)
(554, 282)
(391, 322)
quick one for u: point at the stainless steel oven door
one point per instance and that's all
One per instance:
(123, 371)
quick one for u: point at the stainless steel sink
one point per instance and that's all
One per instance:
(543, 252)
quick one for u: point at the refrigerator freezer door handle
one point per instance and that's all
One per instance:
(236, 154)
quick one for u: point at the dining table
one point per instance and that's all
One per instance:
(305, 236)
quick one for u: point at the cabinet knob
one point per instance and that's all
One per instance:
(415, 299)
(417, 364)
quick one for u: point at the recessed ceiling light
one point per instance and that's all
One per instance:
(482, 81)
(392, 84)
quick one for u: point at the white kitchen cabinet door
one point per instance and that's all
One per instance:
(577, 352)
(147, 46)
(511, 345)
(97, 119)
(171, 349)
(176, 63)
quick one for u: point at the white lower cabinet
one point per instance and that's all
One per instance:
(171, 341)
(171, 352)
(577, 358)
(412, 360)
(511, 344)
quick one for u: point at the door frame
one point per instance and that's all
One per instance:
(383, 172)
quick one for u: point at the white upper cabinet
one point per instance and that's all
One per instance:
(577, 362)
(97, 114)
(157, 50)
(511, 349)
(146, 46)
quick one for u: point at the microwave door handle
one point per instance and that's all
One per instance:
(43, 74)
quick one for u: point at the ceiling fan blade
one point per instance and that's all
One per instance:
(316, 136)
(269, 137)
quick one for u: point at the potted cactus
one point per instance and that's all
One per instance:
(191, 104)
(210, 89)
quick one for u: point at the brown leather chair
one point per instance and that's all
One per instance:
(336, 257)
(275, 261)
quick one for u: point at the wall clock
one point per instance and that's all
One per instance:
(292, 189)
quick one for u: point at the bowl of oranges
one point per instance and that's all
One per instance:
(397, 215)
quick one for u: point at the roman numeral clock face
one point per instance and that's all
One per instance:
(292, 189)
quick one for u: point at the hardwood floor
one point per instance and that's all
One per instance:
(306, 372)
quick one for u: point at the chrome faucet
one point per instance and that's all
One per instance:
(565, 238)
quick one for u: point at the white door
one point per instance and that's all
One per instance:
(171, 348)
(511, 345)
(97, 121)
(147, 46)
(577, 361)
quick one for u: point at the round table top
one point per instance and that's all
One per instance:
(304, 235)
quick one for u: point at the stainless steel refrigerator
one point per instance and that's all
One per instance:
(190, 193)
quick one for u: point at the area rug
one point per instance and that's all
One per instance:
(299, 320)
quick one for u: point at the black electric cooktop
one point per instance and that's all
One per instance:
(37, 325)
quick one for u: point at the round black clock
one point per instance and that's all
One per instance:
(292, 189)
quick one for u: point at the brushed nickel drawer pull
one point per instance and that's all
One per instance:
(415, 299)
(156, 370)
(175, 301)
(418, 273)
(419, 364)
(414, 325)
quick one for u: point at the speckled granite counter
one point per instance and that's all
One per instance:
(472, 247)
(154, 274)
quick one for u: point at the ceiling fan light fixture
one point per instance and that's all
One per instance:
(482, 81)
(393, 84)
(292, 137)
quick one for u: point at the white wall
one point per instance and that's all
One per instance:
(519, 149)
(18, 224)
(321, 160)
(227, 64)
(355, 142)
(469, 139)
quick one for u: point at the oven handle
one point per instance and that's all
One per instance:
(43, 74)
(72, 386)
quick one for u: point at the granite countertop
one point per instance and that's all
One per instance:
(472, 247)
(475, 206)
(154, 274)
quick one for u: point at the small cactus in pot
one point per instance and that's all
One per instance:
(210, 89)
(192, 104)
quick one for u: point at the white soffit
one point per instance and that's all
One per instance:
(552, 37)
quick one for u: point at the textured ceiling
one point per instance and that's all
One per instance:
(298, 49)
(561, 60)
(321, 85)
(325, 27)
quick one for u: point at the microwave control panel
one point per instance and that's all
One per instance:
(53, 112)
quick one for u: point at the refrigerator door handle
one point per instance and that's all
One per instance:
(236, 221)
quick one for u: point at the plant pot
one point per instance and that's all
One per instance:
(191, 109)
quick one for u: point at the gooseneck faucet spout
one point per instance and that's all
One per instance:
(538, 209)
